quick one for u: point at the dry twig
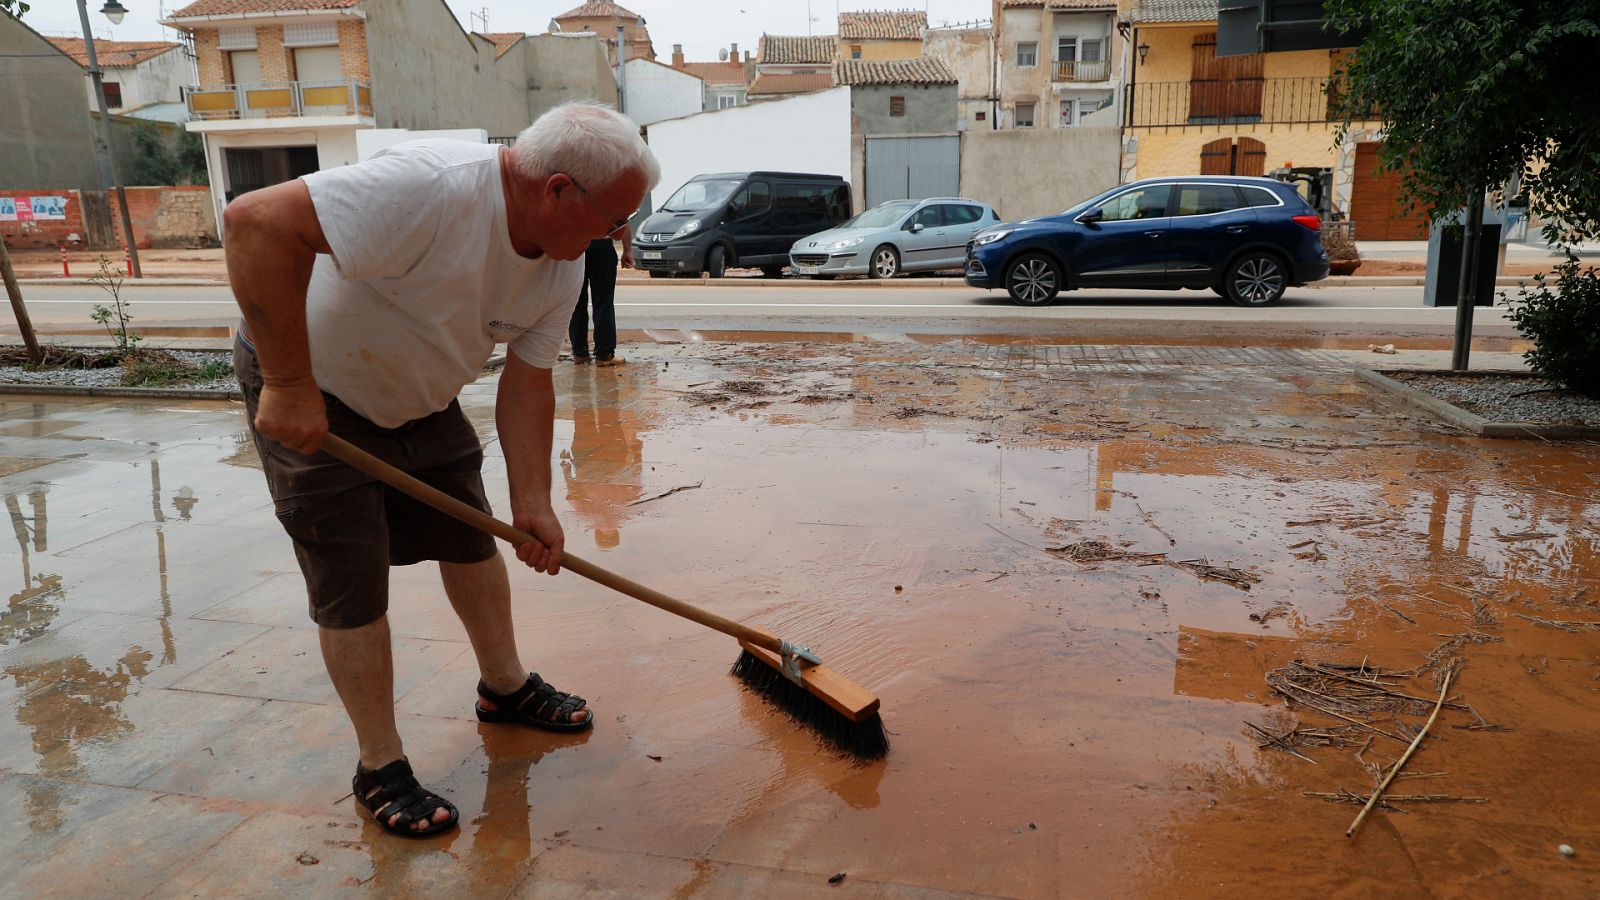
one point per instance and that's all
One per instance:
(1444, 690)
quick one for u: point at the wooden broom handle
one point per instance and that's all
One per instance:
(480, 520)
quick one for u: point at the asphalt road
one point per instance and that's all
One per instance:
(1326, 317)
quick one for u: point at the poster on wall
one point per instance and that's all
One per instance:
(48, 207)
(8, 209)
(24, 211)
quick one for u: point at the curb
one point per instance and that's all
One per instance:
(1472, 422)
(130, 281)
(60, 390)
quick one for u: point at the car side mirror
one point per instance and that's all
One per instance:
(916, 227)
(1093, 215)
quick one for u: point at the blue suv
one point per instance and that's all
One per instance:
(1248, 239)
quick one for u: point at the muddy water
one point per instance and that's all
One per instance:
(917, 513)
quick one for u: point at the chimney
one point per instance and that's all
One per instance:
(733, 54)
(677, 56)
(747, 57)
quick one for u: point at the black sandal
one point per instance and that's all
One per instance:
(394, 789)
(537, 703)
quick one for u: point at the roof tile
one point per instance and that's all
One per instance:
(113, 54)
(893, 25)
(770, 83)
(795, 49)
(236, 7)
(893, 71)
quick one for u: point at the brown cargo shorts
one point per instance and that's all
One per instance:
(348, 529)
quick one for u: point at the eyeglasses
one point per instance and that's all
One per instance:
(616, 226)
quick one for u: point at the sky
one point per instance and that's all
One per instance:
(701, 26)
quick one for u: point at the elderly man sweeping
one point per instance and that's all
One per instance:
(371, 295)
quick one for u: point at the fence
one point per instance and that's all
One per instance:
(1250, 101)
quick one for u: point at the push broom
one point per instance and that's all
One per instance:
(787, 675)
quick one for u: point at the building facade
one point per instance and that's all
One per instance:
(1059, 63)
(655, 92)
(727, 82)
(136, 74)
(904, 139)
(604, 18)
(878, 35)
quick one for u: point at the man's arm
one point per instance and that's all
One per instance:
(626, 237)
(524, 413)
(273, 238)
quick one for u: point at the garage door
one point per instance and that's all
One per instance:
(1375, 205)
(913, 168)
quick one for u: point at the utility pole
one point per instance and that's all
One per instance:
(115, 10)
(1467, 289)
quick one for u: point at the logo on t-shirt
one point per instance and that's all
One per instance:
(505, 331)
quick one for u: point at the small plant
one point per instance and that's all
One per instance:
(110, 280)
(1564, 325)
(158, 368)
(1338, 239)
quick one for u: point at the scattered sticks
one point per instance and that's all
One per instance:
(684, 487)
(1444, 690)
(1572, 625)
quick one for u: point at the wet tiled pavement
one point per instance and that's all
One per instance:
(1066, 721)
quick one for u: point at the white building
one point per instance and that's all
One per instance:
(137, 74)
(652, 92)
(814, 129)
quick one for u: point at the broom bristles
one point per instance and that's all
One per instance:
(865, 740)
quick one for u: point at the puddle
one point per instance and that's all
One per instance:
(1067, 571)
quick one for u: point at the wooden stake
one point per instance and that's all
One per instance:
(1444, 690)
(14, 291)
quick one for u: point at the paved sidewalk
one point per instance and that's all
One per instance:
(1006, 541)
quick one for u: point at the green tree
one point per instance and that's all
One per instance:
(14, 7)
(1475, 95)
(160, 160)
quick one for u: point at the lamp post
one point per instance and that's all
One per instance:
(114, 11)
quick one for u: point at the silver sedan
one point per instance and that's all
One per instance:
(895, 237)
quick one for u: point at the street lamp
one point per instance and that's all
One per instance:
(113, 11)
(1144, 50)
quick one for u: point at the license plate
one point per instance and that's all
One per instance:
(651, 254)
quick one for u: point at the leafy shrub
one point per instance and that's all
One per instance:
(1564, 325)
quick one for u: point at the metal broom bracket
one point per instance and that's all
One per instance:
(792, 654)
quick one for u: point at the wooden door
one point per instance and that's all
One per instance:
(1216, 158)
(1224, 156)
(1375, 205)
(1223, 89)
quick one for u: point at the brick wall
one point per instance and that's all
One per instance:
(276, 66)
(353, 50)
(162, 217)
(213, 67)
(49, 233)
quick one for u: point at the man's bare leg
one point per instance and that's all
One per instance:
(481, 595)
(360, 662)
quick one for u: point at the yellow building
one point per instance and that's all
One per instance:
(881, 34)
(1188, 111)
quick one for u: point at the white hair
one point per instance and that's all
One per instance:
(589, 141)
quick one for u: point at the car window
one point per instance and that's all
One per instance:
(753, 198)
(929, 217)
(1255, 196)
(1204, 199)
(961, 214)
(802, 206)
(1140, 203)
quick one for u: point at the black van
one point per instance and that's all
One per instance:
(746, 219)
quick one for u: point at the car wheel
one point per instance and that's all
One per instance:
(1033, 280)
(716, 261)
(885, 262)
(1256, 279)
(772, 271)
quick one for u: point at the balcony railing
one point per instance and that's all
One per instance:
(1083, 70)
(344, 97)
(1266, 101)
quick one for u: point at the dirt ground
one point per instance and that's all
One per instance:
(1078, 577)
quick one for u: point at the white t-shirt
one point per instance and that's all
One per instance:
(423, 280)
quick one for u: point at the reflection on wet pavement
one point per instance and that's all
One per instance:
(1067, 570)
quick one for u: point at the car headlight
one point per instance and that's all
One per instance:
(686, 229)
(989, 237)
(844, 244)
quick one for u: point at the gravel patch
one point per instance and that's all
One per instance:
(112, 377)
(1507, 397)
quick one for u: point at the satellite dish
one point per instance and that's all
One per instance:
(723, 54)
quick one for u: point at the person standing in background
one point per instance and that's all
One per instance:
(600, 288)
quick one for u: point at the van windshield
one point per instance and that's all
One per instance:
(879, 216)
(700, 195)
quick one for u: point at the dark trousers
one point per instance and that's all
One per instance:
(599, 287)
